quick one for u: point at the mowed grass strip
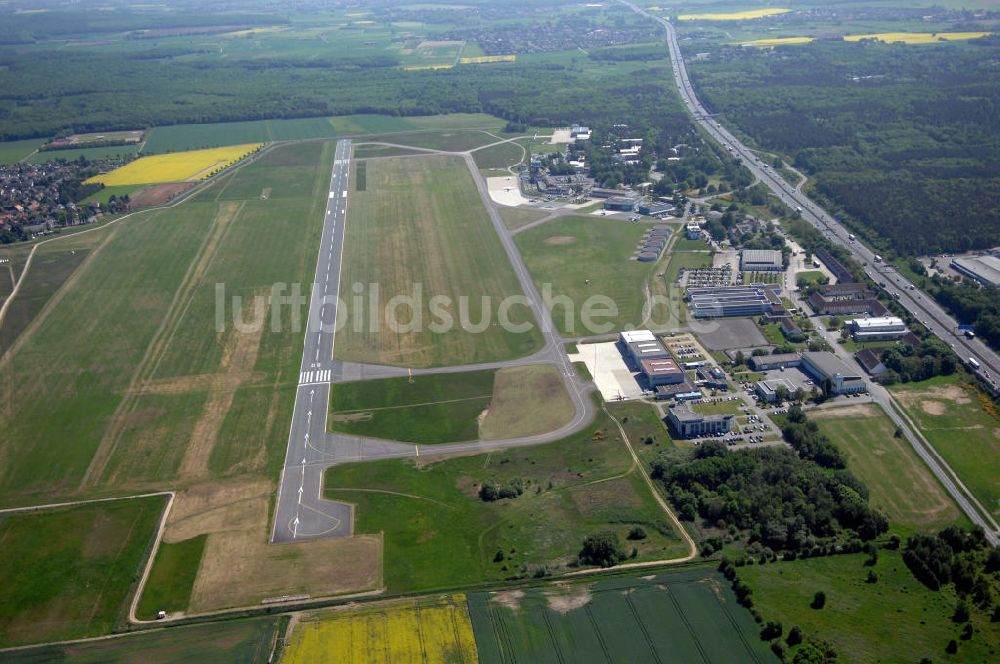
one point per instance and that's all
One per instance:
(900, 483)
(432, 630)
(172, 577)
(897, 619)
(245, 641)
(67, 573)
(420, 229)
(175, 167)
(439, 533)
(445, 408)
(564, 254)
(682, 616)
(954, 418)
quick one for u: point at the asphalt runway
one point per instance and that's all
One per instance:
(301, 513)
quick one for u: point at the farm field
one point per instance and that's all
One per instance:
(14, 151)
(432, 630)
(92, 153)
(779, 41)
(959, 426)
(421, 221)
(443, 408)
(439, 533)
(568, 252)
(246, 641)
(172, 577)
(917, 37)
(67, 573)
(733, 16)
(899, 482)
(895, 620)
(115, 401)
(686, 616)
(176, 167)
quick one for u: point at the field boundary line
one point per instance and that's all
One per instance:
(411, 405)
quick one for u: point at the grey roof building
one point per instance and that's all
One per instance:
(761, 260)
(689, 424)
(984, 269)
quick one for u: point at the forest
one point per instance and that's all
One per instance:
(901, 141)
(787, 500)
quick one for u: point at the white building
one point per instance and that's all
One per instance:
(693, 231)
(877, 329)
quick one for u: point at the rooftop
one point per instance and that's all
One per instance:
(828, 364)
(683, 413)
(985, 268)
(768, 256)
(632, 336)
(660, 367)
(883, 321)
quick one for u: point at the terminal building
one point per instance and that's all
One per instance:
(722, 301)
(689, 424)
(877, 329)
(761, 260)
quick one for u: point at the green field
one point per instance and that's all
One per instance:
(172, 577)
(247, 641)
(14, 151)
(444, 408)
(900, 483)
(369, 150)
(955, 421)
(70, 154)
(500, 156)
(104, 194)
(514, 218)
(895, 620)
(682, 616)
(123, 380)
(421, 222)
(569, 251)
(68, 573)
(452, 140)
(438, 532)
(176, 138)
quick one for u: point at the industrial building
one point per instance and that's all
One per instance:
(877, 329)
(601, 192)
(844, 299)
(984, 269)
(655, 209)
(639, 345)
(821, 366)
(747, 300)
(768, 389)
(579, 132)
(836, 268)
(689, 424)
(663, 371)
(761, 260)
(693, 231)
(621, 203)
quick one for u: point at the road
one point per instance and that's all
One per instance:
(301, 513)
(921, 306)
(917, 303)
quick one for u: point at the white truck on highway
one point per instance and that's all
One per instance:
(878, 259)
(851, 238)
(974, 363)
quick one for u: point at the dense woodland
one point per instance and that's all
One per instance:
(905, 141)
(800, 501)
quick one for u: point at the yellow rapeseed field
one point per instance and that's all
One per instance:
(918, 37)
(405, 632)
(176, 167)
(425, 67)
(733, 16)
(778, 41)
(487, 58)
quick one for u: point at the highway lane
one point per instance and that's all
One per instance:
(921, 306)
(917, 303)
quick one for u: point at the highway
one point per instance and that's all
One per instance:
(921, 306)
(917, 303)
